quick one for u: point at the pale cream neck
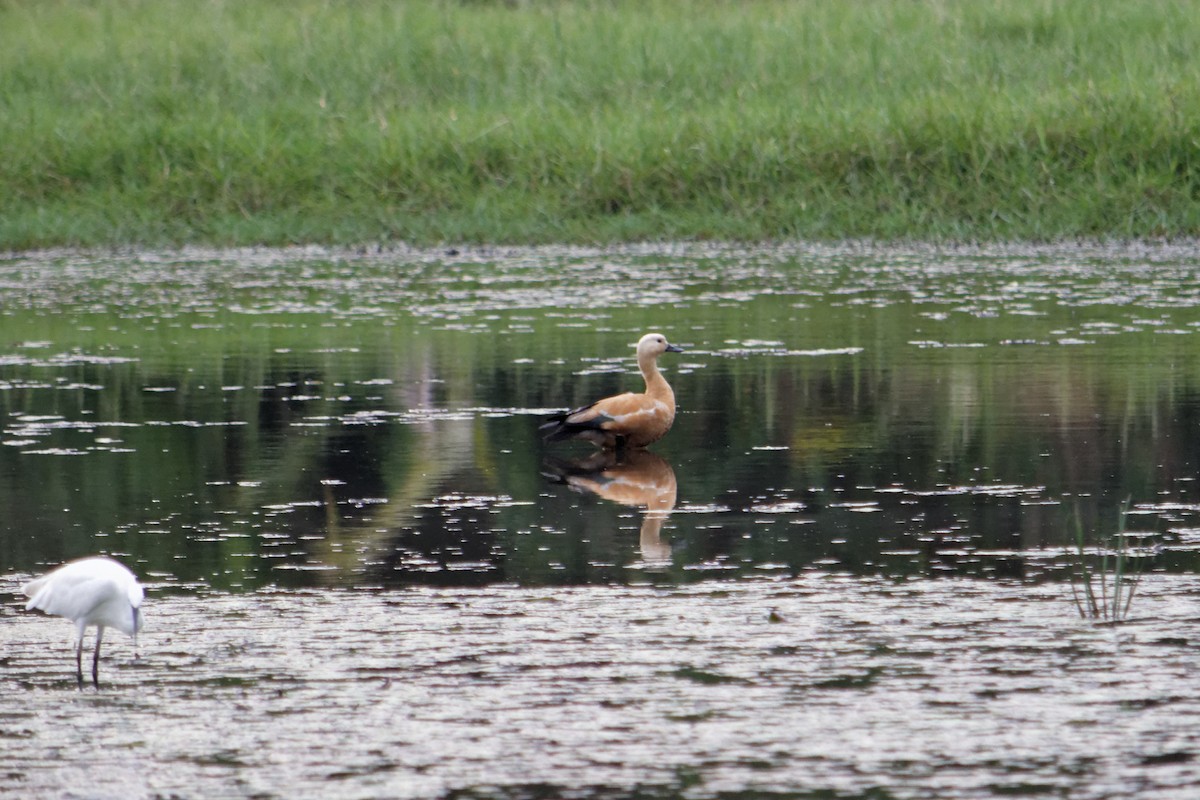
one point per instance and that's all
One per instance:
(656, 384)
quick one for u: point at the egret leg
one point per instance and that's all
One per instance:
(96, 657)
(79, 661)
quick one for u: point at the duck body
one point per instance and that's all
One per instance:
(629, 420)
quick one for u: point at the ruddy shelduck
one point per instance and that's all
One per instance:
(629, 420)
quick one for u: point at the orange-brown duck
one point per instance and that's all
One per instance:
(629, 420)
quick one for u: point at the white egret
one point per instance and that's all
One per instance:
(91, 591)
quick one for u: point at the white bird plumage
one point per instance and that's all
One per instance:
(91, 591)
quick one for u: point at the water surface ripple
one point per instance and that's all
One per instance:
(857, 567)
(854, 687)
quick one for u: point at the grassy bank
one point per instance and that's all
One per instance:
(164, 121)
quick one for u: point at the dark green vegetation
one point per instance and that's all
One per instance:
(157, 122)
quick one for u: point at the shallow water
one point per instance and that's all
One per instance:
(861, 687)
(848, 571)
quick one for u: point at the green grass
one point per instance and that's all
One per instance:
(239, 122)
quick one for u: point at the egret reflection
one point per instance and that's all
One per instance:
(636, 478)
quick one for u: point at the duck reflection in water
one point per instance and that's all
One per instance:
(635, 478)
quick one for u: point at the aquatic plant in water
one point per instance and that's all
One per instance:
(1105, 591)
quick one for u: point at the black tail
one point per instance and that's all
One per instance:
(556, 427)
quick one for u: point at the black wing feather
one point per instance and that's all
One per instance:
(556, 428)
